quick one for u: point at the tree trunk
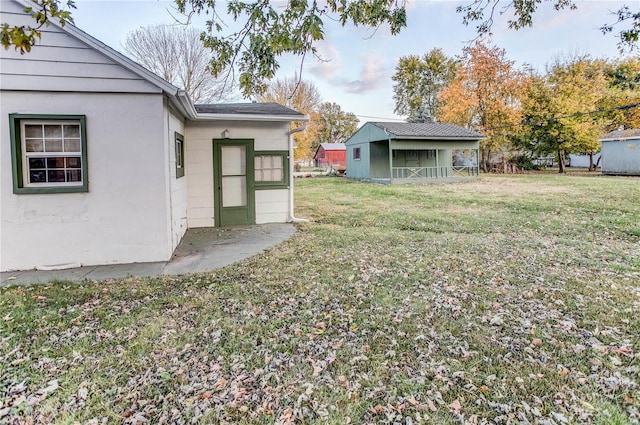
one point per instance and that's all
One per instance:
(561, 162)
(484, 161)
(591, 161)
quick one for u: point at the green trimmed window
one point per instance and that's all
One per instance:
(271, 169)
(49, 153)
(179, 138)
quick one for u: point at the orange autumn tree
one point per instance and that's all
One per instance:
(484, 96)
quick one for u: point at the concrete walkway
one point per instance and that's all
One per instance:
(200, 250)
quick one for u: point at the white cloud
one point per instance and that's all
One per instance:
(374, 75)
(328, 62)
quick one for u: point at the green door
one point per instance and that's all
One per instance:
(234, 194)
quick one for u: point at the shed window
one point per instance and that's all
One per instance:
(271, 169)
(356, 153)
(49, 153)
(179, 155)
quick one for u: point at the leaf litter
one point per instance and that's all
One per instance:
(354, 320)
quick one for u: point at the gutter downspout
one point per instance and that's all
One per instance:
(291, 168)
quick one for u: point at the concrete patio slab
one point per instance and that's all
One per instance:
(201, 249)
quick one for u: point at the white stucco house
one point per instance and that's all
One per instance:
(103, 162)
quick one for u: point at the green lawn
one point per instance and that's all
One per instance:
(507, 299)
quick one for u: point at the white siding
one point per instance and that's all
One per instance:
(61, 62)
(123, 216)
(177, 187)
(271, 205)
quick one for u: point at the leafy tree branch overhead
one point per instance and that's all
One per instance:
(268, 30)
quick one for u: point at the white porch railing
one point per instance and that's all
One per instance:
(421, 173)
(465, 171)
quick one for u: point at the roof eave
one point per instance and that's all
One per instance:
(249, 117)
(620, 139)
(445, 138)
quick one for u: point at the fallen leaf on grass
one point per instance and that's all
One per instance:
(455, 407)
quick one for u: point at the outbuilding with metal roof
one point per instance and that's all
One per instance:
(394, 152)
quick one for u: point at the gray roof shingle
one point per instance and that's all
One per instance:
(428, 130)
(268, 108)
(622, 134)
(333, 146)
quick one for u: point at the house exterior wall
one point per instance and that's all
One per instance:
(61, 62)
(272, 206)
(379, 160)
(123, 216)
(177, 194)
(319, 157)
(361, 169)
(337, 158)
(621, 157)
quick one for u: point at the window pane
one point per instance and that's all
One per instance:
(56, 176)
(71, 131)
(36, 163)
(277, 161)
(33, 131)
(34, 146)
(277, 175)
(55, 162)
(179, 154)
(233, 160)
(257, 163)
(37, 176)
(72, 145)
(258, 176)
(53, 131)
(74, 162)
(74, 175)
(234, 191)
(53, 145)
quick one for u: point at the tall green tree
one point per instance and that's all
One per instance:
(335, 125)
(557, 108)
(623, 98)
(485, 95)
(302, 96)
(418, 81)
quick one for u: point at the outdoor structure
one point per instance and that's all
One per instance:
(582, 160)
(103, 162)
(331, 155)
(621, 152)
(392, 152)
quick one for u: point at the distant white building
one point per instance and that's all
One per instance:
(104, 162)
(621, 152)
(582, 160)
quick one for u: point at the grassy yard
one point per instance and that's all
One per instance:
(509, 299)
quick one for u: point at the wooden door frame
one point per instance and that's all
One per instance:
(217, 178)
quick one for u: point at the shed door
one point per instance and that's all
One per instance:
(234, 176)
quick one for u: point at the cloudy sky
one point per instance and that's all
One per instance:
(358, 63)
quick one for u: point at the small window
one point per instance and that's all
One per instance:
(271, 169)
(356, 153)
(179, 138)
(49, 153)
